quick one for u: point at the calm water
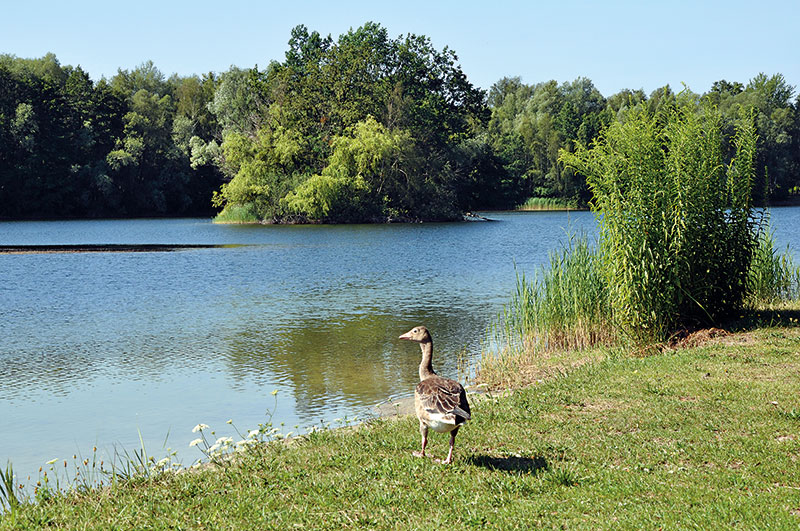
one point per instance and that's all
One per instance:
(96, 347)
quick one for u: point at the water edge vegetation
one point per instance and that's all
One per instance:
(701, 436)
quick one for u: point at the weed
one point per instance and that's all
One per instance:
(8, 490)
(549, 203)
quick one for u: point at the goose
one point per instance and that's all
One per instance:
(441, 403)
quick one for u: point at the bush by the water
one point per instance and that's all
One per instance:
(676, 230)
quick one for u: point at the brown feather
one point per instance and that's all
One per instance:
(444, 397)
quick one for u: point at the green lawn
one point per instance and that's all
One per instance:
(705, 437)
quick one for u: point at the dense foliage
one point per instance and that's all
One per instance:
(361, 128)
(366, 128)
(531, 124)
(73, 148)
(677, 234)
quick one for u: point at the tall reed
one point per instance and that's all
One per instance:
(564, 306)
(676, 233)
(773, 277)
(549, 203)
(8, 494)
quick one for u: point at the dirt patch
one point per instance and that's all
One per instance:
(689, 339)
(736, 340)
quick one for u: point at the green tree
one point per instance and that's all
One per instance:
(332, 105)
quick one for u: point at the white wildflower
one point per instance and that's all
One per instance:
(225, 441)
(275, 392)
(52, 461)
(163, 462)
(253, 433)
(195, 442)
(229, 421)
(199, 427)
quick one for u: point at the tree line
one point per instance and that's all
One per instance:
(362, 128)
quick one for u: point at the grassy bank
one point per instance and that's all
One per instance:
(705, 436)
(233, 214)
(549, 203)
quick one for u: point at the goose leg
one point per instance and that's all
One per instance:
(423, 430)
(452, 443)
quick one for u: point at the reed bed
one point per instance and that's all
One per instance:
(549, 203)
(773, 279)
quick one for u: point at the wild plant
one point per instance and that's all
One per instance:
(773, 277)
(564, 307)
(9, 498)
(676, 230)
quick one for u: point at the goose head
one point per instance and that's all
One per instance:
(418, 334)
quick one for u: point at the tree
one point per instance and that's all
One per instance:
(355, 129)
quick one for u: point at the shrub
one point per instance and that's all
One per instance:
(677, 234)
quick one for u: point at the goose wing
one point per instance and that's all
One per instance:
(443, 398)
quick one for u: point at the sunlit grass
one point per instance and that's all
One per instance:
(549, 203)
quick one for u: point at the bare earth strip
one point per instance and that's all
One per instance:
(100, 248)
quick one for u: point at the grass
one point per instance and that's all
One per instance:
(238, 214)
(705, 437)
(565, 307)
(549, 203)
(773, 277)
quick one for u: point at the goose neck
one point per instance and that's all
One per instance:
(426, 365)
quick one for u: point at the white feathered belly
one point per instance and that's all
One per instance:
(441, 423)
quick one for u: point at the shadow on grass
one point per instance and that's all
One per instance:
(521, 465)
(779, 317)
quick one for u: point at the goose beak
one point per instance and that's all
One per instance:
(406, 336)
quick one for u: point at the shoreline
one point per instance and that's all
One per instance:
(611, 431)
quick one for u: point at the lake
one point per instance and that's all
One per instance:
(96, 348)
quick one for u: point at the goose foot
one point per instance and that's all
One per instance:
(418, 454)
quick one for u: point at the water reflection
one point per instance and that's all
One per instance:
(355, 359)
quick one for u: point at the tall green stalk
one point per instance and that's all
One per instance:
(676, 232)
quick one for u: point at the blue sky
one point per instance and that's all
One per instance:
(616, 44)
